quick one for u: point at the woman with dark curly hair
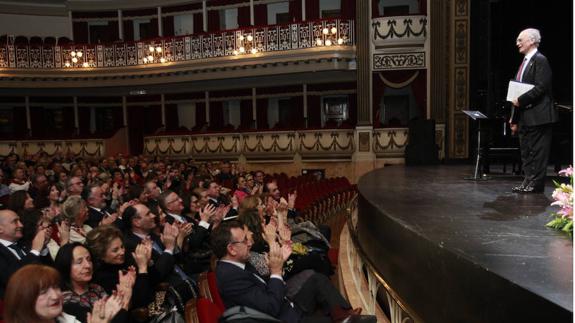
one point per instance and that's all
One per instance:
(20, 200)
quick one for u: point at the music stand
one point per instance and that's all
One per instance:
(477, 115)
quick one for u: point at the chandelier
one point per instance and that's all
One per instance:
(155, 55)
(330, 36)
(77, 59)
(247, 45)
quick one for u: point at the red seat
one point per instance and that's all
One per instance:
(215, 292)
(207, 311)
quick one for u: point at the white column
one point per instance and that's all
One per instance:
(76, 121)
(254, 110)
(160, 29)
(207, 98)
(302, 10)
(305, 104)
(28, 121)
(163, 105)
(120, 25)
(71, 24)
(125, 110)
(252, 14)
(205, 16)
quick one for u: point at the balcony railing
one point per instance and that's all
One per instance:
(263, 39)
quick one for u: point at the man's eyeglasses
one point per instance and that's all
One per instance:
(245, 241)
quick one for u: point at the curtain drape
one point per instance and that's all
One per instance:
(295, 10)
(198, 23)
(243, 17)
(262, 113)
(246, 117)
(261, 15)
(213, 20)
(313, 111)
(311, 9)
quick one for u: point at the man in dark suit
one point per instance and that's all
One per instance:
(12, 255)
(239, 283)
(534, 113)
(97, 211)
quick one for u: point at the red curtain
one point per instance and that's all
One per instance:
(375, 9)
(419, 88)
(378, 89)
(84, 121)
(348, 9)
(244, 16)
(262, 113)
(198, 23)
(152, 119)
(172, 120)
(154, 27)
(168, 26)
(135, 133)
(295, 10)
(37, 121)
(246, 117)
(311, 9)
(261, 15)
(80, 32)
(200, 115)
(128, 30)
(296, 113)
(423, 7)
(213, 20)
(352, 102)
(313, 111)
(216, 115)
(68, 120)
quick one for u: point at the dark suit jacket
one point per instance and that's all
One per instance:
(9, 264)
(163, 262)
(536, 106)
(95, 217)
(241, 287)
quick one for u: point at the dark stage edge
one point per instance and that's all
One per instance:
(463, 251)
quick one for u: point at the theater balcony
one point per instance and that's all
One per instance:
(304, 49)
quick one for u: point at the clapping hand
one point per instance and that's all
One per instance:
(142, 255)
(104, 309)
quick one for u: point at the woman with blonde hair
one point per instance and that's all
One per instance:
(75, 212)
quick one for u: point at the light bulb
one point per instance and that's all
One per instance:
(242, 49)
(67, 64)
(250, 38)
(340, 41)
(254, 50)
(85, 64)
(73, 53)
(79, 54)
(150, 58)
(151, 48)
(328, 42)
(74, 60)
(145, 60)
(325, 31)
(235, 52)
(319, 42)
(159, 49)
(333, 30)
(241, 37)
(162, 60)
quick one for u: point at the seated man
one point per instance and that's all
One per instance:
(239, 284)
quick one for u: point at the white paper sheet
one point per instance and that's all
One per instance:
(516, 89)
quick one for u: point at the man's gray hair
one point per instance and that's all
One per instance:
(534, 35)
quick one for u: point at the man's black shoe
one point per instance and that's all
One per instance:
(532, 189)
(520, 188)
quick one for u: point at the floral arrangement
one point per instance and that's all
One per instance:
(563, 196)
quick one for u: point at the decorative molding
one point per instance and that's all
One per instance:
(383, 62)
(399, 31)
(461, 8)
(461, 90)
(390, 142)
(461, 35)
(460, 136)
(91, 148)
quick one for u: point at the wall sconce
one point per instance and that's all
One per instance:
(77, 59)
(247, 45)
(155, 55)
(330, 36)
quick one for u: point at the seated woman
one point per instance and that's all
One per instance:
(20, 200)
(34, 220)
(75, 212)
(265, 235)
(33, 295)
(107, 247)
(74, 263)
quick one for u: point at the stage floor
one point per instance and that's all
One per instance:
(482, 223)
